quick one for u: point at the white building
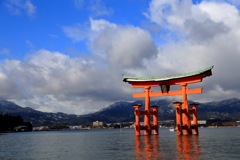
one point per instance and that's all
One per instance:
(200, 122)
(97, 124)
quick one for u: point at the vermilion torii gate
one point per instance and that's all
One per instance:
(183, 121)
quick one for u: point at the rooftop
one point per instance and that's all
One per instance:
(164, 78)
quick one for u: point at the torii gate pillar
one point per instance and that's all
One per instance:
(155, 119)
(137, 118)
(147, 124)
(178, 117)
(195, 119)
(185, 116)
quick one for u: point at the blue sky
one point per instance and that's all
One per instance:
(24, 32)
(61, 56)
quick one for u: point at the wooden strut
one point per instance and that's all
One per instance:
(170, 93)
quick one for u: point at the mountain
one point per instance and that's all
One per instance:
(124, 112)
(34, 116)
(225, 110)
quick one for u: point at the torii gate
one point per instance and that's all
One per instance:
(182, 111)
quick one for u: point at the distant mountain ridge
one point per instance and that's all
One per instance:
(34, 116)
(123, 112)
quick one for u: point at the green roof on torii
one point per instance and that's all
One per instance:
(164, 78)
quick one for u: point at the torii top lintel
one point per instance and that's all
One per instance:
(191, 77)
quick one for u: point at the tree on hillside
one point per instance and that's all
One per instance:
(8, 122)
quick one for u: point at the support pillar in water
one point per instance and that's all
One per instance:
(147, 124)
(155, 119)
(186, 122)
(178, 117)
(137, 118)
(195, 119)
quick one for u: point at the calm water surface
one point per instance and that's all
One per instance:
(119, 144)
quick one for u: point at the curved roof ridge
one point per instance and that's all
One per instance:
(159, 78)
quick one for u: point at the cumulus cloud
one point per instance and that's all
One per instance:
(53, 81)
(123, 46)
(211, 38)
(169, 12)
(119, 46)
(203, 31)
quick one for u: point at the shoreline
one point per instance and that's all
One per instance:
(112, 128)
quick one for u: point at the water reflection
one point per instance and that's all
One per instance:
(147, 147)
(188, 147)
(150, 147)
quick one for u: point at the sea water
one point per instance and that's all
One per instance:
(121, 144)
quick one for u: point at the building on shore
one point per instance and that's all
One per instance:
(97, 124)
(238, 123)
(201, 122)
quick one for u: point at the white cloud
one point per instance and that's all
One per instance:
(55, 81)
(100, 25)
(230, 16)
(77, 32)
(124, 46)
(173, 14)
(4, 51)
(119, 46)
(29, 8)
(29, 43)
(98, 8)
(52, 81)
(167, 12)
(211, 38)
(16, 7)
(78, 3)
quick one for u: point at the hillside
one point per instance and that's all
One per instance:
(123, 112)
(34, 116)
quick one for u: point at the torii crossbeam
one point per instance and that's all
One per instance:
(182, 111)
